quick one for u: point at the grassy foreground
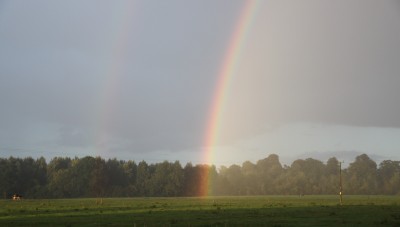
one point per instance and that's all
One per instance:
(211, 211)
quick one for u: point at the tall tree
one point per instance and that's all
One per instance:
(332, 184)
(143, 177)
(269, 170)
(130, 169)
(250, 174)
(389, 177)
(362, 176)
(99, 178)
(58, 177)
(117, 177)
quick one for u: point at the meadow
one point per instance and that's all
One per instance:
(209, 211)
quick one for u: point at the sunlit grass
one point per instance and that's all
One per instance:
(213, 211)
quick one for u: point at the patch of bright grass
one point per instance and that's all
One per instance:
(210, 211)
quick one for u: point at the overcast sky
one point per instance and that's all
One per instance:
(136, 79)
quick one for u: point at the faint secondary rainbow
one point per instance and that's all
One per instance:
(116, 41)
(224, 79)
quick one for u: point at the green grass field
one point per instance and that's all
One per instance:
(211, 211)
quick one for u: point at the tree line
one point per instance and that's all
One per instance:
(65, 177)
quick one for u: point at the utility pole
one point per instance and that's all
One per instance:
(340, 183)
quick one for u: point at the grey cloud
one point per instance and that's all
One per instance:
(310, 61)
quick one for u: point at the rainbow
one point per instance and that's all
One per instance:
(224, 79)
(113, 68)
